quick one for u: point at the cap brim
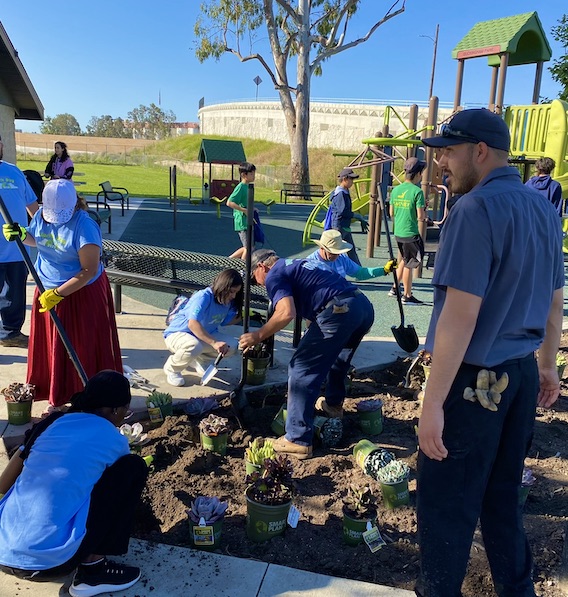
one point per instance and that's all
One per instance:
(443, 141)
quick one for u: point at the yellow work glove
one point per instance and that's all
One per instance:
(49, 299)
(14, 231)
(390, 265)
(488, 390)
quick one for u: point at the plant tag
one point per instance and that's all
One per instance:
(293, 516)
(373, 539)
(203, 535)
(155, 415)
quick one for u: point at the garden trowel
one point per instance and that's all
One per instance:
(211, 371)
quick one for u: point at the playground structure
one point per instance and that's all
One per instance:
(537, 130)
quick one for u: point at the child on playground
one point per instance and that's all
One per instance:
(238, 203)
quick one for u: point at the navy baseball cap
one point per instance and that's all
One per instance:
(477, 125)
(347, 173)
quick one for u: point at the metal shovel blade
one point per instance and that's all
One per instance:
(211, 371)
(406, 337)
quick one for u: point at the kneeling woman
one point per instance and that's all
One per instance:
(71, 493)
(194, 330)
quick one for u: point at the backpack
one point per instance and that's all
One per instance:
(177, 305)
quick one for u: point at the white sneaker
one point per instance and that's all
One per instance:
(174, 378)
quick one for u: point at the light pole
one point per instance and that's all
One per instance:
(435, 40)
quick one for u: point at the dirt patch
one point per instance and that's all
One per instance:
(183, 471)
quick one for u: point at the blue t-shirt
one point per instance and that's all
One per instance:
(17, 194)
(343, 265)
(202, 307)
(58, 246)
(503, 243)
(43, 516)
(310, 285)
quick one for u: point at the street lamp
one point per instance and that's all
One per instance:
(435, 40)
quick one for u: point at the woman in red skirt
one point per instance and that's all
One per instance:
(69, 245)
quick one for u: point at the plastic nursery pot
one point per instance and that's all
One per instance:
(214, 443)
(19, 413)
(251, 468)
(256, 370)
(523, 494)
(371, 421)
(278, 424)
(167, 410)
(155, 416)
(353, 529)
(395, 494)
(203, 538)
(265, 521)
(560, 369)
(426, 369)
(362, 449)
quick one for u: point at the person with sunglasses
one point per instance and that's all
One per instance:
(495, 305)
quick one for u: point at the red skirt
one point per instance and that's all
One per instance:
(88, 319)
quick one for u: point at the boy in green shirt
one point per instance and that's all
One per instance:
(407, 206)
(238, 203)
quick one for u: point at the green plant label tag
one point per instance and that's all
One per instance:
(203, 535)
(373, 539)
(293, 516)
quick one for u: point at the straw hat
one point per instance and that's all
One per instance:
(332, 242)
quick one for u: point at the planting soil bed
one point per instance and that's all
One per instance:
(182, 471)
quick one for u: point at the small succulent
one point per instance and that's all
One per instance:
(393, 472)
(376, 460)
(360, 503)
(259, 450)
(157, 399)
(19, 392)
(134, 434)
(330, 432)
(211, 509)
(275, 485)
(214, 425)
(371, 405)
(528, 478)
(560, 359)
(425, 358)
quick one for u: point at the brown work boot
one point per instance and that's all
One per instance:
(19, 340)
(333, 412)
(283, 446)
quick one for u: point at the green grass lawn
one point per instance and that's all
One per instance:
(141, 181)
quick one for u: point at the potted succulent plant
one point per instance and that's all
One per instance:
(425, 359)
(258, 361)
(359, 509)
(269, 497)
(370, 416)
(256, 453)
(393, 478)
(560, 364)
(136, 439)
(19, 398)
(205, 521)
(526, 484)
(214, 431)
(159, 406)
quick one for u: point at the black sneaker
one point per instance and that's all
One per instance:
(411, 300)
(105, 577)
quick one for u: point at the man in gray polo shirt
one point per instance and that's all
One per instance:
(498, 297)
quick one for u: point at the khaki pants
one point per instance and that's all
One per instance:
(186, 349)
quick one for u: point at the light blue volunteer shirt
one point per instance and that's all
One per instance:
(343, 265)
(43, 516)
(58, 246)
(503, 242)
(17, 194)
(203, 308)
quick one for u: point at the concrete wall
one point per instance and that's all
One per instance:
(336, 126)
(7, 131)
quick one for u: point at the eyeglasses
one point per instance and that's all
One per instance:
(447, 130)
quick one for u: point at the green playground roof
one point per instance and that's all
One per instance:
(221, 151)
(521, 36)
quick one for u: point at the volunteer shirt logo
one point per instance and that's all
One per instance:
(7, 183)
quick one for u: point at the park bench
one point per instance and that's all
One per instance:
(101, 213)
(305, 191)
(111, 193)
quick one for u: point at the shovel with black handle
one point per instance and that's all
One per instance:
(55, 318)
(406, 337)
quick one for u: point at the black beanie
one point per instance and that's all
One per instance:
(106, 388)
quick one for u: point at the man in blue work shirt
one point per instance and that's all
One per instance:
(340, 211)
(495, 304)
(340, 315)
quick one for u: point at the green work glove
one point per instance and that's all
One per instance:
(390, 265)
(49, 299)
(14, 231)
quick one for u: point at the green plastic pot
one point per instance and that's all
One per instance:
(257, 369)
(216, 443)
(362, 449)
(167, 410)
(353, 529)
(251, 468)
(523, 494)
(197, 540)
(560, 369)
(19, 413)
(278, 424)
(395, 494)
(265, 521)
(371, 422)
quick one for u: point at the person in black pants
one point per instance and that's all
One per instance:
(74, 501)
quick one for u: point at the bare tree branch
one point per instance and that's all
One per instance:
(288, 10)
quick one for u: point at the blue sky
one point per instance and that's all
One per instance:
(90, 59)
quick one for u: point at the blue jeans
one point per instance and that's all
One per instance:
(325, 351)
(479, 480)
(13, 277)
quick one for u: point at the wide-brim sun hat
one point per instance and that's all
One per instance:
(59, 200)
(332, 242)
